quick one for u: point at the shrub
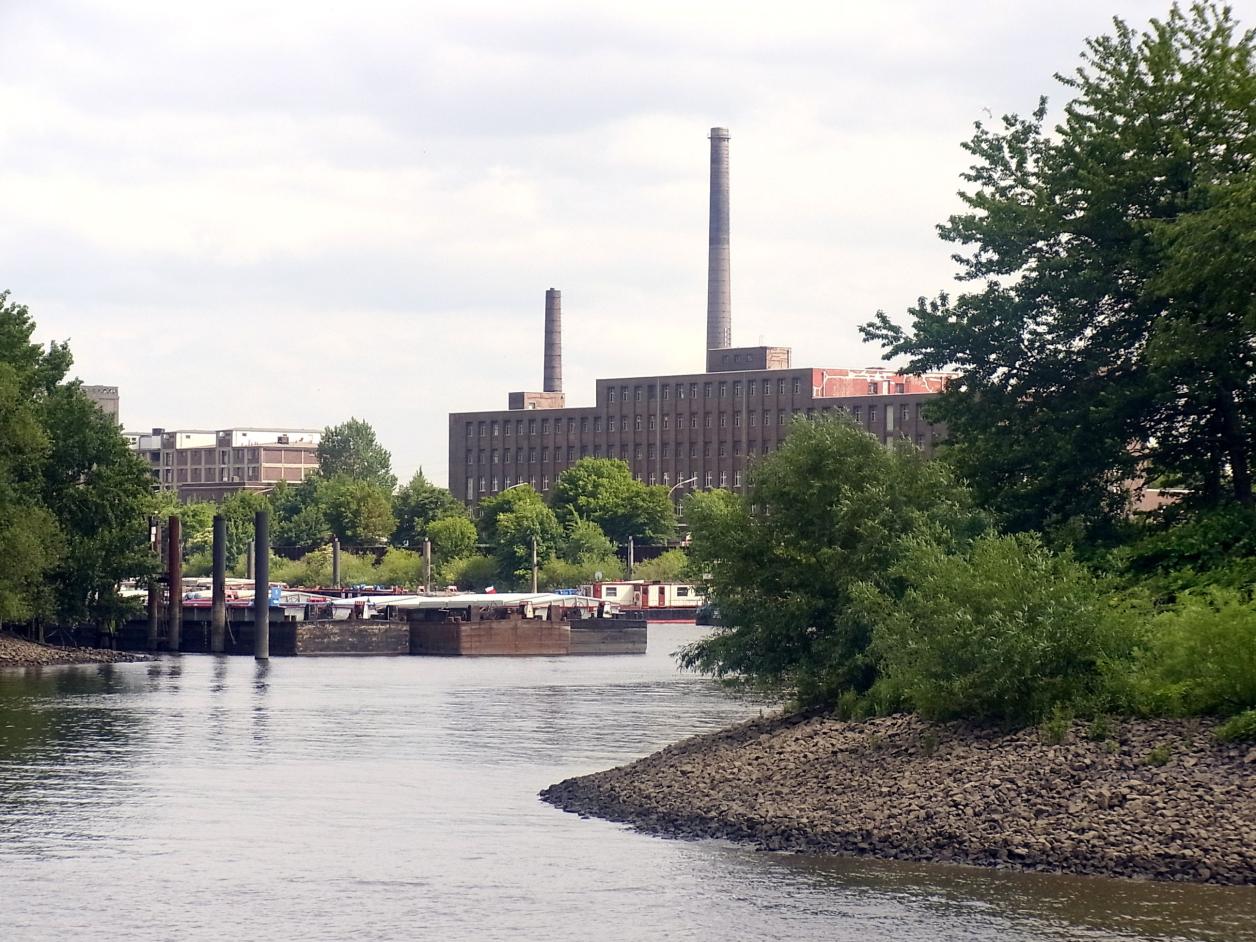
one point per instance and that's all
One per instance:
(470, 573)
(1198, 657)
(1239, 728)
(1003, 631)
(669, 566)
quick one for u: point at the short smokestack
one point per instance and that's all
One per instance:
(553, 341)
(719, 288)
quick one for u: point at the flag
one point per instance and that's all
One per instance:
(490, 590)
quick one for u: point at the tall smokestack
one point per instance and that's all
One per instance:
(553, 341)
(719, 288)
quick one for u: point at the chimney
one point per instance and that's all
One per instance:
(553, 341)
(719, 289)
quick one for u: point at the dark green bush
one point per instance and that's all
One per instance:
(1003, 631)
(1240, 728)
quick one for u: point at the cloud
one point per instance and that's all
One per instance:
(290, 213)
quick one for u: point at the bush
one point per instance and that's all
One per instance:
(1198, 657)
(1003, 631)
(470, 573)
(1240, 728)
(666, 567)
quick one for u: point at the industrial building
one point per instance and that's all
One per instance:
(106, 400)
(696, 430)
(202, 464)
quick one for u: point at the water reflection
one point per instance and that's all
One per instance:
(395, 798)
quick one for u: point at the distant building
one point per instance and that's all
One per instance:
(106, 398)
(209, 465)
(684, 432)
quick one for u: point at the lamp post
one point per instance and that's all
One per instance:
(680, 484)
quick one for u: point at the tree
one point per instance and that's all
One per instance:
(196, 520)
(417, 505)
(239, 511)
(670, 566)
(603, 491)
(509, 523)
(300, 522)
(826, 511)
(452, 537)
(351, 450)
(1110, 329)
(358, 512)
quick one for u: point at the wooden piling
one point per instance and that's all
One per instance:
(154, 586)
(261, 586)
(174, 564)
(218, 614)
(335, 562)
(427, 566)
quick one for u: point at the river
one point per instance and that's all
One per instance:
(395, 798)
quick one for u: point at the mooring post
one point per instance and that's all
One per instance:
(154, 585)
(174, 561)
(427, 566)
(248, 559)
(218, 615)
(534, 564)
(261, 586)
(335, 562)
(631, 561)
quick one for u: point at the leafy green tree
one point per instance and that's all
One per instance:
(359, 512)
(469, 573)
(828, 510)
(452, 537)
(603, 491)
(196, 520)
(670, 566)
(417, 505)
(509, 522)
(300, 522)
(351, 450)
(584, 541)
(1109, 327)
(239, 511)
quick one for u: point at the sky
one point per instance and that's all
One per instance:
(290, 213)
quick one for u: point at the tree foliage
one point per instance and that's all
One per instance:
(1110, 325)
(417, 505)
(828, 510)
(351, 450)
(603, 491)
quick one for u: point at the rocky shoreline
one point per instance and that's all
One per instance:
(18, 652)
(1158, 799)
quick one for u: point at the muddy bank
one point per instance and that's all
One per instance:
(17, 652)
(1149, 799)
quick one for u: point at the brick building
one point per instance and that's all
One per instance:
(209, 465)
(695, 430)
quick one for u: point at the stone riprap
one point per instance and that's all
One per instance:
(1155, 799)
(17, 652)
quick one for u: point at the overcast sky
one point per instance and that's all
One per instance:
(264, 213)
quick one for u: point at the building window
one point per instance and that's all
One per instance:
(571, 453)
(706, 390)
(584, 451)
(797, 386)
(905, 413)
(636, 393)
(780, 417)
(610, 423)
(651, 423)
(597, 451)
(900, 387)
(693, 390)
(483, 484)
(754, 417)
(667, 478)
(531, 456)
(723, 420)
(856, 413)
(667, 449)
(610, 451)
(610, 394)
(470, 456)
(723, 389)
(780, 387)
(723, 449)
(680, 390)
(750, 388)
(636, 423)
(736, 420)
(544, 426)
(737, 448)
(597, 423)
(545, 482)
(544, 455)
(872, 389)
(653, 479)
(495, 484)
(531, 426)
(518, 456)
(723, 479)
(636, 453)
(496, 430)
(706, 479)
(584, 424)
(623, 393)
(737, 389)
(872, 415)
(706, 449)
(666, 390)
(470, 487)
(920, 439)
(706, 420)
(666, 420)
(483, 429)
(693, 450)
(506, 427)
(470, 429)
(494, 456)
(736, 479)
(650, 452)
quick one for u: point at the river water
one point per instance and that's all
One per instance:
(395, 798)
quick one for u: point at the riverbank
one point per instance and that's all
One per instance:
(1148, 799)
(18, 652)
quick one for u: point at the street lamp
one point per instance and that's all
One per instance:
(681, 484)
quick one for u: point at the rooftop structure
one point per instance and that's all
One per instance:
(106, 399)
